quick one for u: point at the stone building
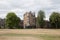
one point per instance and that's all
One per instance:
(47, 24)
(2, 23)
(21, 24)
(29, 20)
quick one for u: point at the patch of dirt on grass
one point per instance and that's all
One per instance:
(53, 32)
(18, 38)
(30, 31)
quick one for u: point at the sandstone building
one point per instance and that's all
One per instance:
(29, 20)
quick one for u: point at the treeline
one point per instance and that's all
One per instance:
(12, 21)
(54, 19)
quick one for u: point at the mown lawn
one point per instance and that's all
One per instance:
(30, 34)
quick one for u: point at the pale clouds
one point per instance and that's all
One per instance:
(21, 6)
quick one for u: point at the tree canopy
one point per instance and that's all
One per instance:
(12, 21)
(40, 18)
(55, 19)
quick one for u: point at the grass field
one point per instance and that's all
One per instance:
(29, 34)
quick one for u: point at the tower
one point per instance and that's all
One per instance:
(29, 20)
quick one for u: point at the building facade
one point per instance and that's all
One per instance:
(21, 24)
(2, 23)
(29, 20)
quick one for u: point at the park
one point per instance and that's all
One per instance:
(29, 19)
(29, 34)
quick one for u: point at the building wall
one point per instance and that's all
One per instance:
(29, 20)
(2, 23)
(21, 24)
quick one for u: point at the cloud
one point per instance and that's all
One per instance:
(21, 6)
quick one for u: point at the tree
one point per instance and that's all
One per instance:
(55, 20)
(40, 18)
(12, 21)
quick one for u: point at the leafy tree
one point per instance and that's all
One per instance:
(12, 21)
(40, 18)
(55, 20)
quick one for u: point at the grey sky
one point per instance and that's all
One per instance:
(21, 6)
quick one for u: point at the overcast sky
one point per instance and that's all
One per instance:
(21, 6)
